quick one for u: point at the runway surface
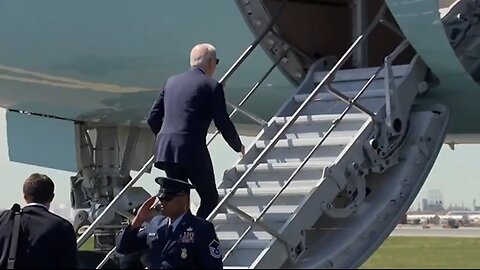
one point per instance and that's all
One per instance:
(402, 230)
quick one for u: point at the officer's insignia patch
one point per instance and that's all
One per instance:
(184, 253)
(214, 249)
(187, 237)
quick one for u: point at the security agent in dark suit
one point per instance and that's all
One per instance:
(180, 118)
(46, 241)
(175, 239)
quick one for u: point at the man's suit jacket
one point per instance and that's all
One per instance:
(181, 115)
(193, 244)
(45, 241)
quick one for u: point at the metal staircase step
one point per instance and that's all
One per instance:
(229, 218)
(235, 235)
(327, 96)
(236, 229)
(313, 170)
(254, 244)
(295, 150)
(321, 118)
(274, 183)
(254, 210)
(326, 103)
(259, 197)
(354, 79)
(340, 140)
(258, 192)
(315, 126)
(241, 168)
(363, 74)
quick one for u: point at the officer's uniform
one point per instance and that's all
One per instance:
(192, 244)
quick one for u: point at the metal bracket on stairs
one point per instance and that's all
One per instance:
(348, 200)
(388, 135)
(380, 149)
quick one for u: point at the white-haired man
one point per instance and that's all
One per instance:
(180, 118)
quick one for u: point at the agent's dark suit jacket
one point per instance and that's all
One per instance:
(46, 241)
(181, 115)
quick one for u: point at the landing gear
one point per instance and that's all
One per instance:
(105, 157)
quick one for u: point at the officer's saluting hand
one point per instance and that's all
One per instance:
(144, 213)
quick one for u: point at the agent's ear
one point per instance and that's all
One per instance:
(51, 199)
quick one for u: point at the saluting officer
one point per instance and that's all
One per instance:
(175, 239)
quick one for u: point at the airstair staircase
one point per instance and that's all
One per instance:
(306, 204)
(329, 176)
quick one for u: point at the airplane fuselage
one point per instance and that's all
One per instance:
(104, 62)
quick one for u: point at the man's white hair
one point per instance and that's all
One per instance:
(201, 54)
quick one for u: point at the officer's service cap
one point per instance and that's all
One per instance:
(171, 186)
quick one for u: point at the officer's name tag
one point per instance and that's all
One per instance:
(152, 237)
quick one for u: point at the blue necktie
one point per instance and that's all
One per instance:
(169, 231)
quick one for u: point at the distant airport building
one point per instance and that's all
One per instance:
(433, 202)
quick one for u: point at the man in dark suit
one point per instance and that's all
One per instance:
(45, 239)
(180, 118)
(176, 239)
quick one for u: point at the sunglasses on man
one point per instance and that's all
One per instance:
(169, 197)
(166, 198)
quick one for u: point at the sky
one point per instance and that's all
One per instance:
(454, 173)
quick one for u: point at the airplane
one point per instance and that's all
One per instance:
(472, 217)
(78, 78)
